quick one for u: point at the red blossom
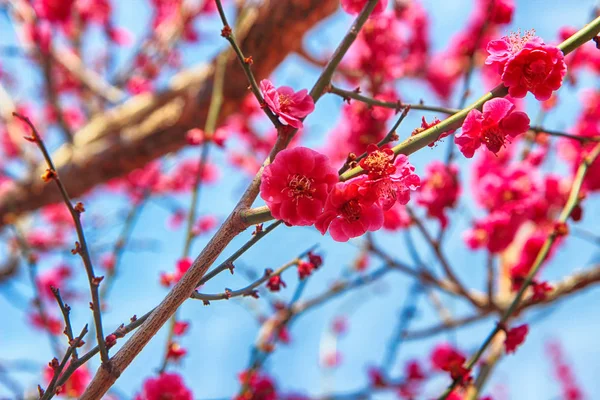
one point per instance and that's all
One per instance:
(439, 190)
(446, 358)
(175, 352)
(396, 218)
(275, 283)
(498, 122)
(540, 290)
(528, 65)
(58, 11)
(393, 185)
(290, 106)
(180, 328)
(56, 277)
(494, 232)
(347, 214)
(376, 378)
(52, 324)
(165, 386)
(515, 337)
(305, 269)
(258, 387)
(296, 184)
(315, 259)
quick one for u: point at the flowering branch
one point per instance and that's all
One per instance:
(81, 247)
(572, 202)
(432, 134)
(250, 289)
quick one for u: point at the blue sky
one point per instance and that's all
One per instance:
(222, 335)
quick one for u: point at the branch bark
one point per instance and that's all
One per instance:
(149, 126)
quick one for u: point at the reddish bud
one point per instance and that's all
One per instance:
(110, 340)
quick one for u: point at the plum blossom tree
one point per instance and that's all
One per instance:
(119, 162)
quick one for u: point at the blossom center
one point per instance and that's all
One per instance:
(351, 210)
(517, 42)
(493, 137)
(437, 181)
(534, 72)
(378, 163)
(299, 186)
(284, 102)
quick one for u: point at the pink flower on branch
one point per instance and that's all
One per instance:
(296, 184)
(491, 128)
(288, 105)
(528, 65)
(347, 214)
(389, 180)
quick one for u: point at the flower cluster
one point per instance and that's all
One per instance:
(526, 64)
(300, 188)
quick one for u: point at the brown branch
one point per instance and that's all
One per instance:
(81, 247)
(66, 311)
(152, 125)
(232, 226)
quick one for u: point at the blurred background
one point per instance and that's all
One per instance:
(315, 362)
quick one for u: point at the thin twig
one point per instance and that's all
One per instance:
(442, 258)
(394, 105)
(80, 247)
(245, 62)
(65, 310)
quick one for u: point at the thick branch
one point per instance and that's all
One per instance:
(151, 125)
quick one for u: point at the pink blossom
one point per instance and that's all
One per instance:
(290, 106)
(56, 277)
(395, 181)
(166, 385)
(347, 214)
(528, 65)
(494, 232)
(440, 190)
(492, 127)
(515, 337)
(54, 10)
(296, 184)
(257, 386)
(205, 224)
(356, 6)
